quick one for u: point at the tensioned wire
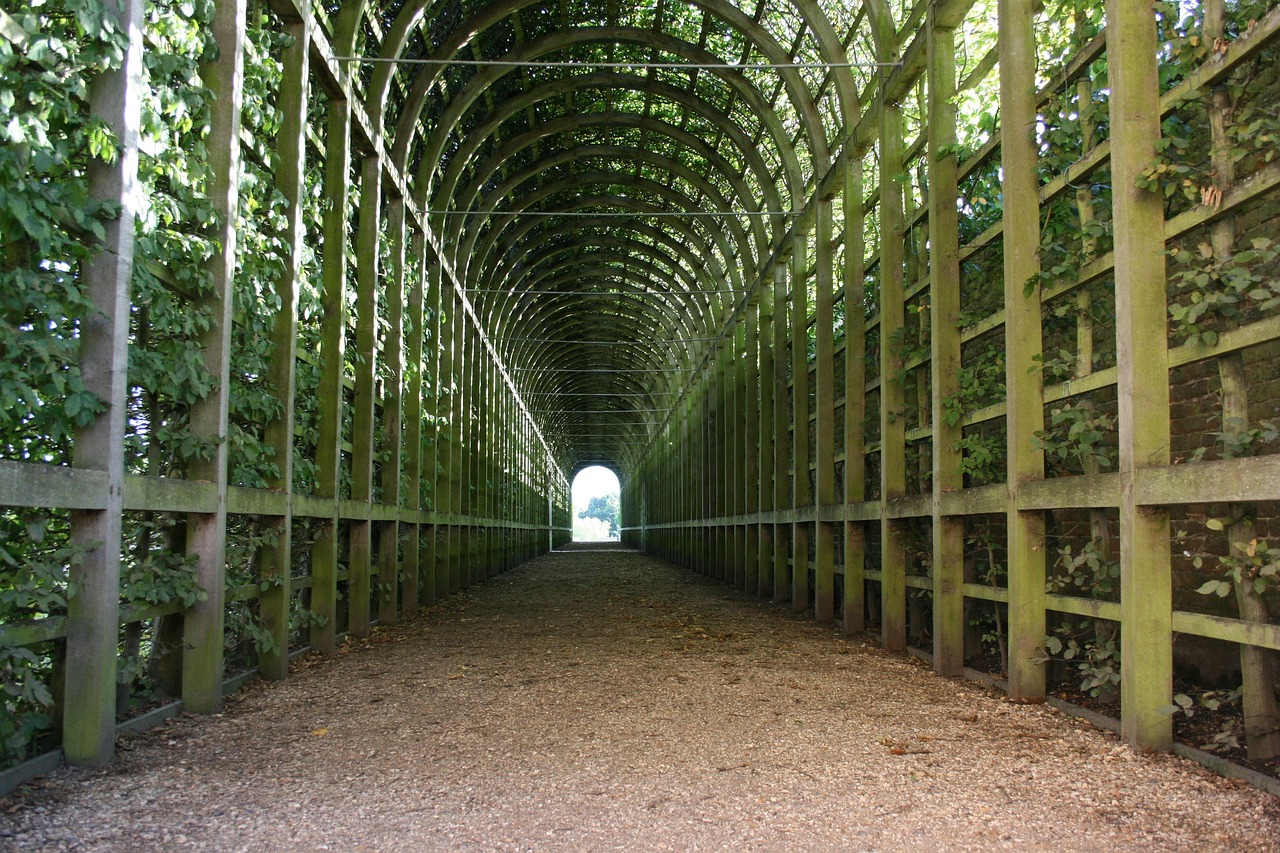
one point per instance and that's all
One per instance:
(536, 292)
(600, 213)
(570, 63)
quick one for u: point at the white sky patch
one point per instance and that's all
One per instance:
(592, 483)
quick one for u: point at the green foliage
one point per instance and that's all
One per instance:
(36, 555)
(1206, 287)
(48, 221)
(1097, 664)
(1063, 238)
(982, 383)
(261, 255)
(166, 368)
(1228, 737)
(983, 458)
(1085, 571)
(909, 348)
(49, 224)
(1076, 439)
(604, 508)
(1254, 565)
(161, 577)
(24, 702)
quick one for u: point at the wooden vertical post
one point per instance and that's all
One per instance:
(461, 457)
(88, 713)
(1257, 672)
(944, 335)
(393, 449)
(893, 483)
(781, 437)
(437, 330)
(855, 400)
(801, 491)
(751, 448)
(333, 305)
(364, 417)
(414, 413)
(725, 433)
(767, 439)
(1142, 361)
(202, 662)
(451, 476)
(824, 594)
(277, 558)
(739, 463)
(1022, 344)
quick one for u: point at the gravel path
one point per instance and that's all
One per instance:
(604, 700)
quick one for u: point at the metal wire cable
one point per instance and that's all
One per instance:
(596, 214)
(570, 63)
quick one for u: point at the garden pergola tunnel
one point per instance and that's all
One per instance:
(951, 320)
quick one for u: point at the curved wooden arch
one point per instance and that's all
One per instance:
(754, 230)
(546, 277)
(475, 248)
(466, 197)
(711, 271)
(435, 143)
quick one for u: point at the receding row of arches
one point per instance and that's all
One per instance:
(795, 271)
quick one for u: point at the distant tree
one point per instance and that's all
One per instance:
(604, 508)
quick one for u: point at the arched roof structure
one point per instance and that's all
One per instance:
(610, 185)
(791, 269)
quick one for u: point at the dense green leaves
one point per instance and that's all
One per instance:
(48, 221)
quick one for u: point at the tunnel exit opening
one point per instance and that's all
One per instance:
(597, 509)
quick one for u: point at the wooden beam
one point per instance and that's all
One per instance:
(944, 335)
(893, 484)
(333, 304)
(1146, 660)
(364, 418)
(781, 435)
(801, 490)
(202, 658)
(824, 435)
(853, 606)
(88, 715)
(276, 558)
(1023, 344)
(415, 413)
(389, 595)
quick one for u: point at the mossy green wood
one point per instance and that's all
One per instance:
(202, 659)
(781, 435)
(766, 439)
(453, 469)
(433, 402)
(333, 331)
(415, 414)
(751, 446)
(1025, 400)
(392, 450)
(853, 605)
(277, 558)
(801, 489)
(1146, 662)
(892, 399)
(364, 414)
(88, 712)
(825, 393)
(944, 333)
